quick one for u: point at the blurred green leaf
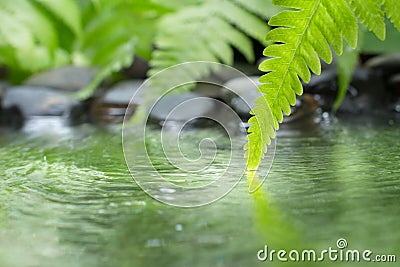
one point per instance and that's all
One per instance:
(31, 19)
(346, 64)
(67, 11)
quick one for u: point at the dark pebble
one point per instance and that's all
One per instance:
(11, 118)
(138, 69)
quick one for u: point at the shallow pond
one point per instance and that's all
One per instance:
(68, 199)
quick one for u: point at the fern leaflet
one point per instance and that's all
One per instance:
(208, 30)
(303, 35)
(371, 15)
(392, 10)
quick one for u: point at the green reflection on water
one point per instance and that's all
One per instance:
(68, 200)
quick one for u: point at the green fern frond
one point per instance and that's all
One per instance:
(36, 23)
(392, 10)
(370, 44)
(115, 31)
(303, 35)
(30, 34)
(371, 15)
(241, 18)
(29, 38)
(65, 10)
(177, 4)
(208, 30)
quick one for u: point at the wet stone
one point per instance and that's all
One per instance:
(70, 78)
(365, 94)
(138, 69)
(37, 101)
(305, 108)
(181, 107)
(325, 83)
(3, 86)
(394, 85)
(122, 92)
(224, 75)
(115, 103)
(211, 88)
(243, 93)
(11, 118)
(240, 94)
(247, 69)
(386, 64)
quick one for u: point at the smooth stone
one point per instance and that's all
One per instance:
(240, 93)
(3, 86)
(247, 69)
(224, 74)
(211, 89)
(138, 69)
(3, 72)
(325, 88)
(244, 103)
(115, 103)
(242, 84)
(394, 85)
(396, 106)
(11, 118)
(122, 92)
(102, 113)
(388, 64)
(69, 78)
(79, 113)
(38, 101)
(185, 107)
(364, 95)
(245, 90)
(325, 83)
(305, 107)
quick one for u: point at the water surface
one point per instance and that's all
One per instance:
(68, 199)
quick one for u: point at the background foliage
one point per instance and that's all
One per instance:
(36, 35)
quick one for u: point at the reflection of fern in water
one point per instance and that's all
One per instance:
(303, 35)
